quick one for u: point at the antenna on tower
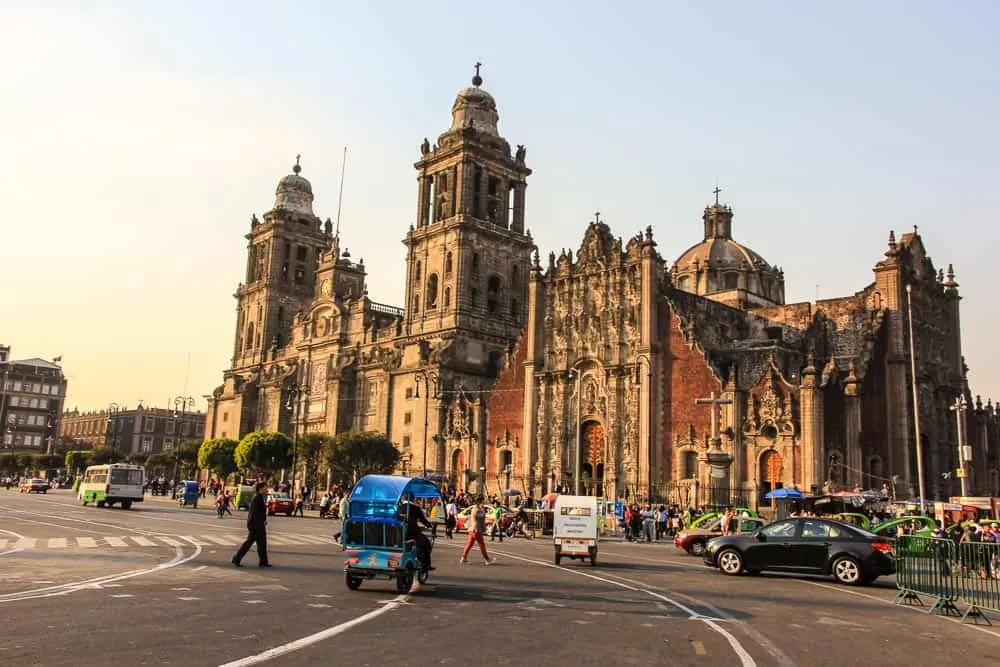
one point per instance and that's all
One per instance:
(340, 197)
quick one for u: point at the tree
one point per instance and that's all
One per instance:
(76, 460)
(219, 456)
(101, 455)
(159, 462)
(186, 456)
(25, 461)
(263, 452)
(309, 448)
(354, 454)
(8, 462)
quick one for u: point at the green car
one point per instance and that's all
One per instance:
(925, 527)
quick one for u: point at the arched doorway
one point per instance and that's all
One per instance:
(592, 457)
(771, 468)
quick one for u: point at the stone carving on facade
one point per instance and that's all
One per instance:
(318, 385)
(459, 419)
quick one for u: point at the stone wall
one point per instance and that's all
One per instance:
(505, 415)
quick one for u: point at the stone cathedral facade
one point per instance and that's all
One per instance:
(608, 366)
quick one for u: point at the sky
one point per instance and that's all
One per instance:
(136, 140)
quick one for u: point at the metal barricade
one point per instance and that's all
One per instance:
(540, 522)
(924, 567)
(968, 572)
(978, 572)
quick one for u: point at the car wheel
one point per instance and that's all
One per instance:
(353, 583)
(697, 549)
(404, 580)
(126, 504)
(846, 570)
(730, 562)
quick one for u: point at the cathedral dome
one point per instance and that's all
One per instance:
(294, 192)
(475, 108)
(726, 270)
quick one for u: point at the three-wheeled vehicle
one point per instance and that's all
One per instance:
(374, 532)
(188, 493)
(575, 527)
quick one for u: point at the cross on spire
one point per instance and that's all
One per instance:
(716, 192)
(597, 217)
(477, 80)
(297, 168)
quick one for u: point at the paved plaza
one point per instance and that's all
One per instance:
(154, 586)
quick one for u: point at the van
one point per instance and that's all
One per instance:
(575, 528)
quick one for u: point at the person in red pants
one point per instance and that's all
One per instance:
(476, 526)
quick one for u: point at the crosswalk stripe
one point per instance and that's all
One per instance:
(116, 542)
(57, 543)
(223, 540)
(316, 539)
(143, 541)
(194, 540)
(3, 545)
(170, 541)
(86, 542)
(26, 543)
(279, 539)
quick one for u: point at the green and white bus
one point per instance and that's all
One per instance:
(109, 484)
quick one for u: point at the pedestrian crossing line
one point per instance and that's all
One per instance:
(281, 540)
(86, 542)
(58, 543)
(316, 539)
(195, 541)
(26, 543)
(151, 541)
(170, 541)
(116, 542)
(143, 541)
(223, 540)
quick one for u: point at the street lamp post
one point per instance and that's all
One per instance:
(181, 406)
(295, 395)
(110, 440)
(432, 387)
(507, 469)
(916, 399)
(959, 408)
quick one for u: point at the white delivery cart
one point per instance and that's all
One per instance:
(575, 527)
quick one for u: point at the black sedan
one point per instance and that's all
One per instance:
(808, 546)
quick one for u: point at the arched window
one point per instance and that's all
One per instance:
(432, 291)
(416, 303)
(690, 465)
(732, 280)
(514, 311)
(475, 264)
(447, 297)
(515, 278)
(492, 294)
(416, 271)
(249, 344)
(447, 263)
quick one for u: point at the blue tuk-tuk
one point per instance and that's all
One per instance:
(189, 492)
(374, 532)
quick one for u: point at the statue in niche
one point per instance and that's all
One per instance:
(425, 147)
(520, 154)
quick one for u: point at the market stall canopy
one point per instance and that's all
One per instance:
(791, 494)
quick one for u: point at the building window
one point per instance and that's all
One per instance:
(447, 297)
(515, 278)
(690, 465)
(492, 294)
(432, 291)
(300, 276)
(186, 429)
(416, 303)
(406, 442)
(167, 443)
(300, 253)
(684, 283)
(43, 403)
(473, 294)
(33, 403)
(513, 309)
(447, 263)
(149, 424)
(147, 444)
(225, 417)
(475, 264)
(732, 280)
(171, 427)
(408, 418)
(416, 271)
(409, 392)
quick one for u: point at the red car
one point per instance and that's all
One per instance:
(280, 503)
(35, 486)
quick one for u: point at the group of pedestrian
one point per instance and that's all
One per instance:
(644, 523)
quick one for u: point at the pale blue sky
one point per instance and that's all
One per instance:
(136, 139)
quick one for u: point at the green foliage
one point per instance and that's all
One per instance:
(46, 461)
(159, 461)
(186, 456)
(101, 455)
(219, 456)
(76, 459)
(25, 461)
(309, 448)
(8, 462)
(354, 454)
(263, 452)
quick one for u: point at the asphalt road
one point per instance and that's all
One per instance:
(154, 586)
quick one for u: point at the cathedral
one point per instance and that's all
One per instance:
(607, 370)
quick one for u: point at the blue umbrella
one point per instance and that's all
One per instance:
(784, 493)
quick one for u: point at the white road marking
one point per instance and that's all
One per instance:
(116, 542)
(86, 542)
(282, 540)
(25, 543)
(746, 660)
(193, 540)
(3, 544)
(123, 595)
(223, 540)
(181, 588)
(317, 637)
(319, 605)
(143, 541)
(57, 543)
(168, 540)
(255, 601)
(188, 599)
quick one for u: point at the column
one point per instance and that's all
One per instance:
(517, 224)
(852, 429)
(811, 418)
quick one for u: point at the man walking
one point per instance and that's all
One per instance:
(256, 529)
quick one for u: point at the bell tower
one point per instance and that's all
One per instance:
(468, 256)
(283, 252)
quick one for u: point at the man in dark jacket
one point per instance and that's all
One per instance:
(256, 528)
